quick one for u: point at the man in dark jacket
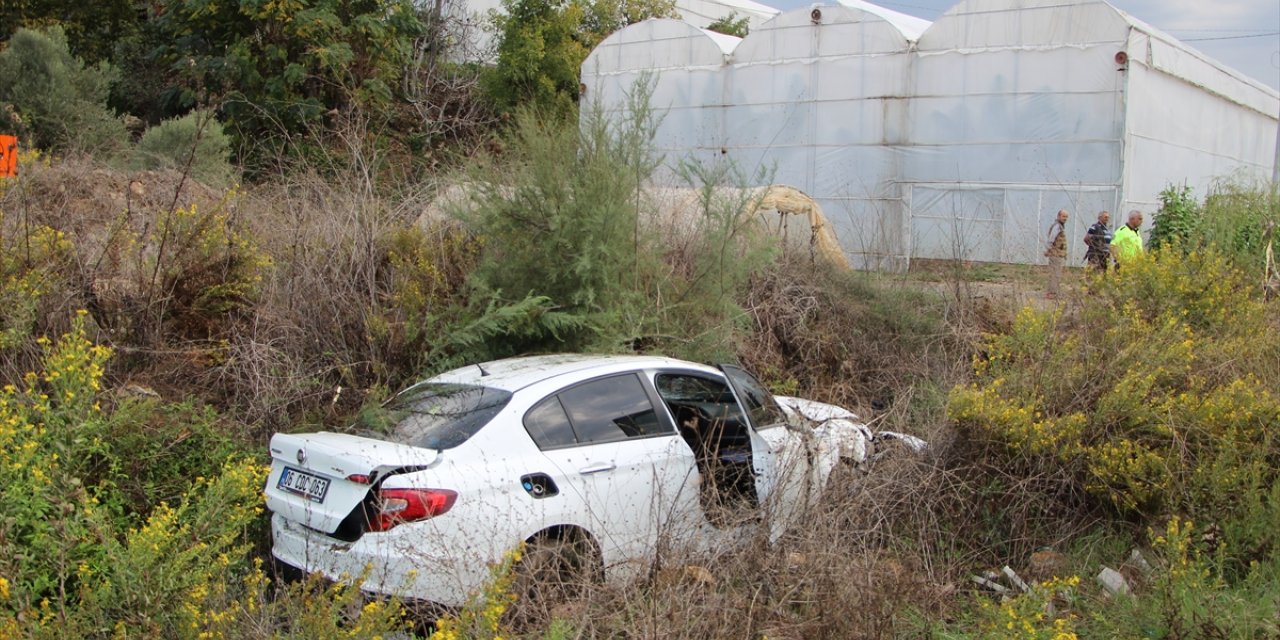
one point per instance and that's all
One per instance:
(1098, 239)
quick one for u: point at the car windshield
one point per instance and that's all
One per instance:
(441, 416)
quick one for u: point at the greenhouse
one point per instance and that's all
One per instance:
(957, 139)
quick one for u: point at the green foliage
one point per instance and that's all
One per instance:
(539, 56)
(1161, 397)
(82, 556)
(602, 17)
(560, 220)
(1235, 219)
(1180, 591)
(1178, 220)
(92, 28)
(32, 266)
(1190, 596)
(506, 328)
(187, 274)
(194, 143)
(731, 25)
(52, 99)
(566, 222)
(1033, 615)
(278, 66)
(544, 43)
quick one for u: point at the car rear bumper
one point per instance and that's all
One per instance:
(399, 564)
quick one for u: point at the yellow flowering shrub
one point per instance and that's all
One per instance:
(80, 559)
(1188, 594)
(201, 263)
(429, 267)
(482, 617)
(30, 268)
(1042, 613)
(1159, 395)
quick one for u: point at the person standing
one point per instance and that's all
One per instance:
(1127, 244)
(1056, 252)
(1098, 239)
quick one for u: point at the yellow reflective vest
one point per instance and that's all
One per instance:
(1127, 244)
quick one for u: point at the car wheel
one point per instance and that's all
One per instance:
(558, 566)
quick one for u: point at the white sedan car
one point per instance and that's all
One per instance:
(617, 454)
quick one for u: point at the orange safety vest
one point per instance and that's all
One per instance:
(8, 157)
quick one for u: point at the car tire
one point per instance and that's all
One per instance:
(557, 566)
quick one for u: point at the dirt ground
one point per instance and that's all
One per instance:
(1015, 284)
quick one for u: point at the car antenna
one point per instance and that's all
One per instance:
(483, 373)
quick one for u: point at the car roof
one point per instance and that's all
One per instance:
(513, 374)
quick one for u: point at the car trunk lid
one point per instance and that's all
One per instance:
(318, 479)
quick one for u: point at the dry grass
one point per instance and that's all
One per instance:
(325, 331)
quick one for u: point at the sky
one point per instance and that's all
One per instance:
(1242, 34)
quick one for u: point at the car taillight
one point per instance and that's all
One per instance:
(397, 506)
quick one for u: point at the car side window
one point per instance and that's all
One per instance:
(548, 424)
(611, 409)
(760, 404)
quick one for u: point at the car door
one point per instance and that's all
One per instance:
(623, 458)
(782, 456)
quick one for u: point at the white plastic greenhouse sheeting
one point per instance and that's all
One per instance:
(701, 13)
(910, 26)
(820, 110)
(964, 146)
(1010, 123)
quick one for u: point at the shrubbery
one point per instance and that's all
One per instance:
(1237, 218)
(194, 144)
(566, 215)
(1160, 397)
(90, 548)
(52, 99)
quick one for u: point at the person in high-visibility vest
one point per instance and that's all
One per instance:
(1127, 244)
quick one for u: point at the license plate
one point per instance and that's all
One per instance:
(304, 484)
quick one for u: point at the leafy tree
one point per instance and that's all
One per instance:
(731, 25)
(279, 66)
(545, 41)
(539, 55)
(603, 17)
(92, 28)
(52, 98)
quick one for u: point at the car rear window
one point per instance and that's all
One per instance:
(442, 416)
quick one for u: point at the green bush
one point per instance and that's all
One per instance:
(1234, 218)
(194, 143)
(1237, 217)
(80, 558)
(281, 67)
(1178, 219)
(544, 42)
(1189, 595)
(563, 215)
(1161, 397)
(54, 100)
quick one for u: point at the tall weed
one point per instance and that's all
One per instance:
(1237, 217)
